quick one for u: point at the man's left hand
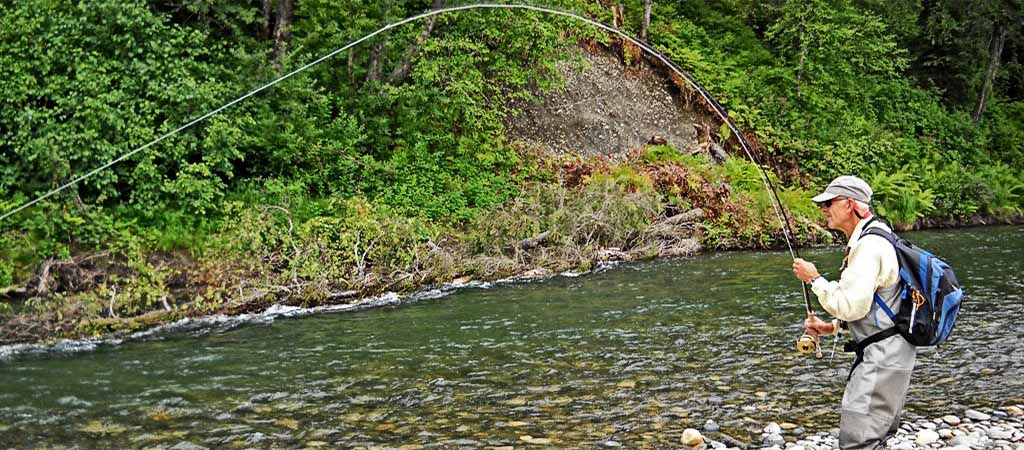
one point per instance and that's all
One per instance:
(805, 270)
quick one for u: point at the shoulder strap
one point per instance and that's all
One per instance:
(889, 236)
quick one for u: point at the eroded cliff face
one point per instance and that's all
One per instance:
(605, 108)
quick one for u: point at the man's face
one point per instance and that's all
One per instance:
(837, 211)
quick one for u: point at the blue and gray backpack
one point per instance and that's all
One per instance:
(931, 295)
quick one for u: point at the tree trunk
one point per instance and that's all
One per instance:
(647, 19)
(282, 31)
(995, 53)
(373, 69)
(268, 18)
(402, 69)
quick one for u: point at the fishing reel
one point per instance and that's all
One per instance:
(807, 343)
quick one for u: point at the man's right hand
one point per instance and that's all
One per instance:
(817, 327)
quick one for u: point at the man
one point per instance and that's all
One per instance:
(878, 382)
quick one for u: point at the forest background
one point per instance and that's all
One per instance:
(388, 168)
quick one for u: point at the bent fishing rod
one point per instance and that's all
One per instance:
(719, 110)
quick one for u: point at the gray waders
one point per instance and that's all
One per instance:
(877, 386)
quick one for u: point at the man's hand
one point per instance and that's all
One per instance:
(805, 270)
(817, 327)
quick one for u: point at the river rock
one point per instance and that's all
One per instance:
(901, 445)
(969, 440)
(711, 427)
(946, 433)
(692, 437)
(185, 445)
(977, 415)
(1014, 411)
(952, 420)
(773, 439)
(999, 433)
(926, 437)
(611, 444)
(773, 428)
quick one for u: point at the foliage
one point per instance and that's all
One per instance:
(899, 198)
(391, 158)
(1003, 193)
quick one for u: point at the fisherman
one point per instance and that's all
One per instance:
(877, 386)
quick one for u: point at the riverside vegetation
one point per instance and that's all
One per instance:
(389, 168)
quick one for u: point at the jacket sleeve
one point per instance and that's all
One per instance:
(850, 298)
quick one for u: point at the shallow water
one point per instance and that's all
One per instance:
(633, 354)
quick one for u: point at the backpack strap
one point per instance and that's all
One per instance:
(892, 240)
(858, 347)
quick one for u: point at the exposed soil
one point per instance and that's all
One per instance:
(604, 108)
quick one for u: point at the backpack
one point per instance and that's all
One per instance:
(931, 295)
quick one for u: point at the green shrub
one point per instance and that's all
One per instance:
(899, 198)
(1003, 190)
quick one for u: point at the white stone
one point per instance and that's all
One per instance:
(977, 415)
(946, 433)
(952, 420)
(999, 433)
(773, 428)
(774, 439)
(926, 437)
(692, 437)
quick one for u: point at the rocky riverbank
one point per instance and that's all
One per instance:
(999, 429)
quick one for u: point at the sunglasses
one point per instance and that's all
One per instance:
(828, 203)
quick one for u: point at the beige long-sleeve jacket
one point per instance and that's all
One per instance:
(870, 265)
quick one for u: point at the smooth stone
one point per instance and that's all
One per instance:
(952, 420)
(773, 428)
(773, 439)
(964, 439)
(717, 445)
(799, 431)
(929, 425)
(977, 415)
(711, 427)
(184, 445)
(901, 445)
(611, 444)
(946, 433)
(692, 437)
(926, 437)
(1014, 411)
(999, 433)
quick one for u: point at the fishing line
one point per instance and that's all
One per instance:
(717, 107)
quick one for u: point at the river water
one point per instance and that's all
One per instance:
(632, 354)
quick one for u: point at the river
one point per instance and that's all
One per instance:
(634, 353)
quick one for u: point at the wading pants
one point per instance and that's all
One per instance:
(875, 394)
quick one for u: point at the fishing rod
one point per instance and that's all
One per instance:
(803, 343)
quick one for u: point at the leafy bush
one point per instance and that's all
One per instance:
(899, 198)
(1003, 190)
